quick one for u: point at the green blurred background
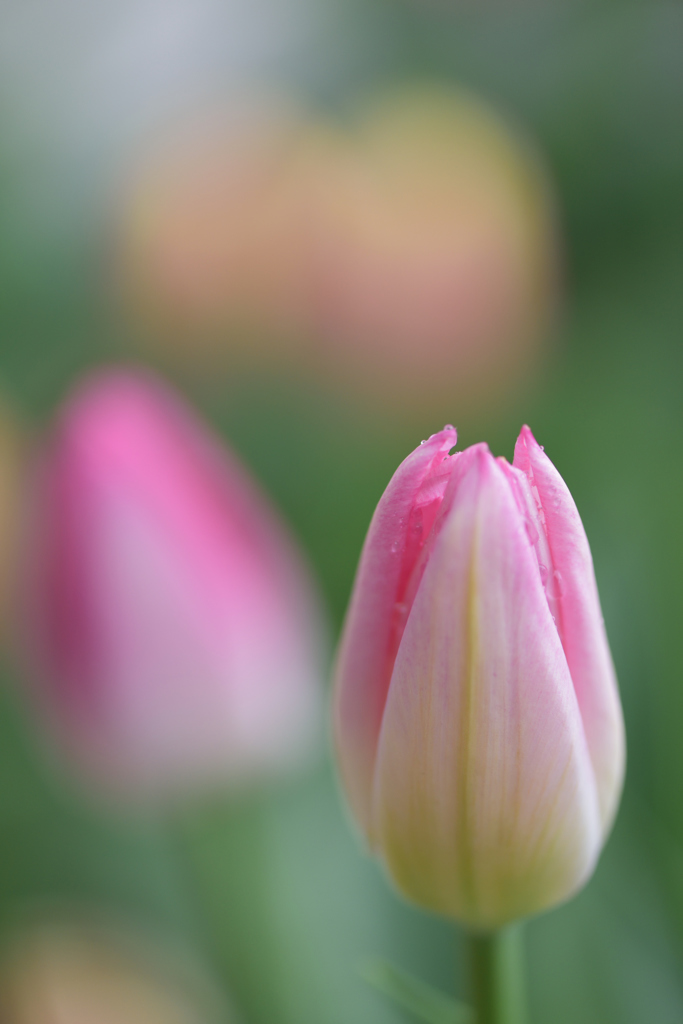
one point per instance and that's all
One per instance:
(273, 891)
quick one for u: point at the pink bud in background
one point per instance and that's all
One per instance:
(171, 625)
(477, 716)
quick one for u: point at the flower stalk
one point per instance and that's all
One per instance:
(497, 971)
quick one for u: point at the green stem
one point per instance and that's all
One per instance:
(497, 968)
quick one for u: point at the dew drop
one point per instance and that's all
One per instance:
(424, 442)
(531, 531)
(544, 573)
(559, 582)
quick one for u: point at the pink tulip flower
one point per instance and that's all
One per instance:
(477, 716)
(171, 626)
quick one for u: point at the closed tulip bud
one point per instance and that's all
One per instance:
(477, 716)
(171, 626)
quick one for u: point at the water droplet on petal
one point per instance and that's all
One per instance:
(544, 573)
(531, 531)
(424, 442)
(559, 582)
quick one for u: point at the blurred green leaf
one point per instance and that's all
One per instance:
(419, 999)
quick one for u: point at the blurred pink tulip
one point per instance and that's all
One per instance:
(171, 626)
(477, 715)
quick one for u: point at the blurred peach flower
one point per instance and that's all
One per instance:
(76, 975)
(440, 265)
(212, 251)
(408, 259)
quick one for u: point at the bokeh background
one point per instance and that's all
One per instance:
(335, 226)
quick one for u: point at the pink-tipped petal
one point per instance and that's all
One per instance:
(579, 621)
(484, 804)
(379, 609)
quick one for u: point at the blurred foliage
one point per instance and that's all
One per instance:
(276, 892)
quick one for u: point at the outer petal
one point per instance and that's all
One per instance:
(377, 611)
(579, 621)
(484, 805)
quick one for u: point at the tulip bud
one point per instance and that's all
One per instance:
(170, 623)
(477, 716)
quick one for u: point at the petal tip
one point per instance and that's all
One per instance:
(481, 454)
(437, 444)
(475, 462)
(526, 449)
(527, 437)
(445, 438)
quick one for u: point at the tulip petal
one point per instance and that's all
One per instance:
(579, 621)
(378, 610)
(484, 804)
